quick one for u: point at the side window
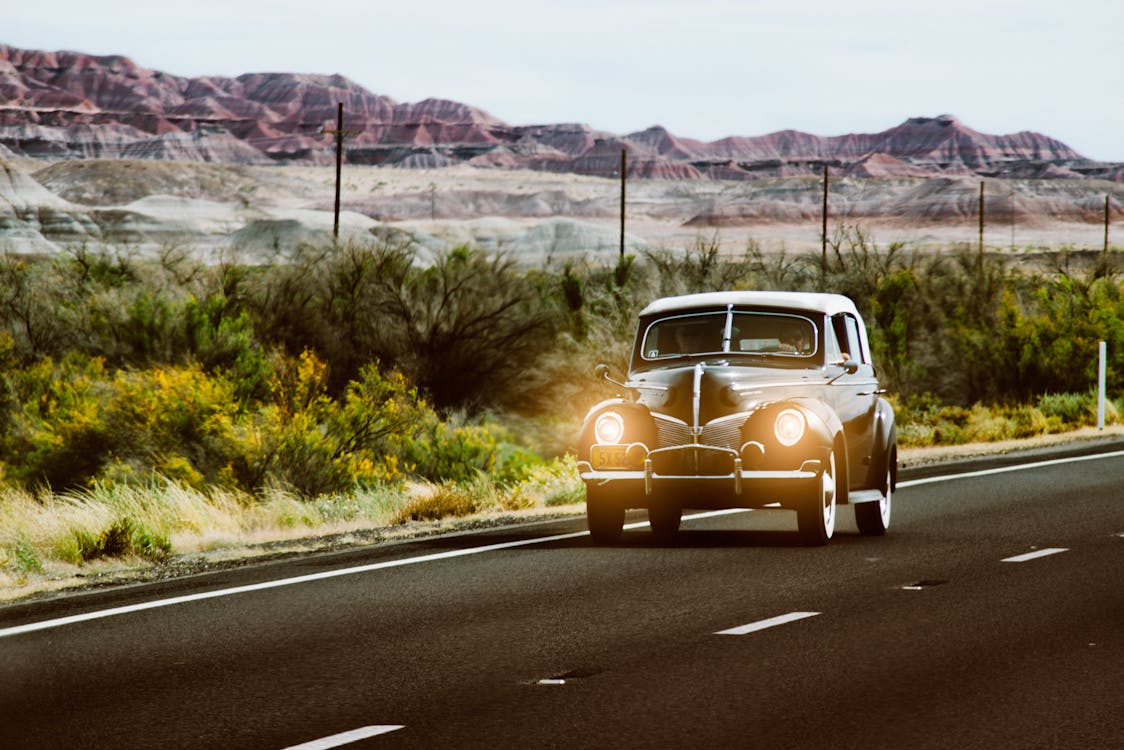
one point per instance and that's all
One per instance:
(846, 329)
(833, 351)
(839, 327)
(855, 339)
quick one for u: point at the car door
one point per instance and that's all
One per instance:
(854, 395)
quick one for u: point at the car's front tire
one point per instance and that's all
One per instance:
(604, 514)
(665, 519)
(815, 518)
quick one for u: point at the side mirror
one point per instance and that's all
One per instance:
(851, 366)
(601, 372)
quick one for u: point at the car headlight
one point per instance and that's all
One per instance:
(609, 427)
(789, 427)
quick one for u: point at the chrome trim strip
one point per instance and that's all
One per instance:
(694, 447)
(696, 399)
(740, 388)
(637, 385)
(728, 333)
(666, 418)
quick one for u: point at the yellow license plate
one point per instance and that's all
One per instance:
(609, 456)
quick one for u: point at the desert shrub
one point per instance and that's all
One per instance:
(439, 501)
(441, 451)
(1069, 409)
(380, 430)
(56, 431)
(124, 537)
(21, 556)
(702, 267)
(221, 339)
(75, 421)
(555, 482)
(466, 329)
(297, 440)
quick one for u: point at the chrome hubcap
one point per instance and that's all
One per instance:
(885, 503)
(829, 497)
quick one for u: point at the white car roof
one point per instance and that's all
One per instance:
(829, 304)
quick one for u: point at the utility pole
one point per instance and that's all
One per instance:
(823, 232)
(339, 133)
(981, 224)
(1106, 224)
(1012, 187)
(624, 171)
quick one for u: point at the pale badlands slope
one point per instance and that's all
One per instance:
(258, 210)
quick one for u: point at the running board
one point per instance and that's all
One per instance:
(864, 496)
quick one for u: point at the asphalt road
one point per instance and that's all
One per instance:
(990, 616)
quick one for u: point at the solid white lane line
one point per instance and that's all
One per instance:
(1036, 554)
(346, 738)
(1005, 469)
(770, 623)
(61, 621)
(45, 624)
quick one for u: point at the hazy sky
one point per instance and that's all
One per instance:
(704, 69)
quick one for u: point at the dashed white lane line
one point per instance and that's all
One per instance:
(772, 622)
(346, 738)
(1005, 469)
(1036, 554)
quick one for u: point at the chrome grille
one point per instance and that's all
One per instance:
(725, 432)
(672, 433)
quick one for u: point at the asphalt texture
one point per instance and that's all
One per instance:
(989, 616)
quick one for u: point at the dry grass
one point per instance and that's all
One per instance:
(54, 540)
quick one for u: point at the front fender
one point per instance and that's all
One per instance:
(832, 426)
(822, 427)
(639, 425)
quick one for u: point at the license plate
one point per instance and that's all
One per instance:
(609, 456)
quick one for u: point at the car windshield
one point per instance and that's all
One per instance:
(733, 332)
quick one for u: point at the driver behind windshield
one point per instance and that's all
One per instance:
(696, 338)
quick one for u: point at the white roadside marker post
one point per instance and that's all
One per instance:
(1102, 356)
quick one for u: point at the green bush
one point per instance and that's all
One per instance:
(1069, 409)
(445, 500)
(349, 366)
(124, 537)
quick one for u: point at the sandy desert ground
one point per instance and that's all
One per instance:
(260, 211)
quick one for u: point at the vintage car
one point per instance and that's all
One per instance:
(743, 400)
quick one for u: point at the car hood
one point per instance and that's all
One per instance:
(723, 389)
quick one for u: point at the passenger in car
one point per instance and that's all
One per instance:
(792, 340)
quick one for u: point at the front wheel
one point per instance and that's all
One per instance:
(664, 520)
(604, 514)
(815, 518)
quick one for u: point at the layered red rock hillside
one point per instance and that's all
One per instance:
(61, 105)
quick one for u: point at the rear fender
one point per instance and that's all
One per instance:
(885, 443)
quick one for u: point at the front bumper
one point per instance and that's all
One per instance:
(738, 487)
